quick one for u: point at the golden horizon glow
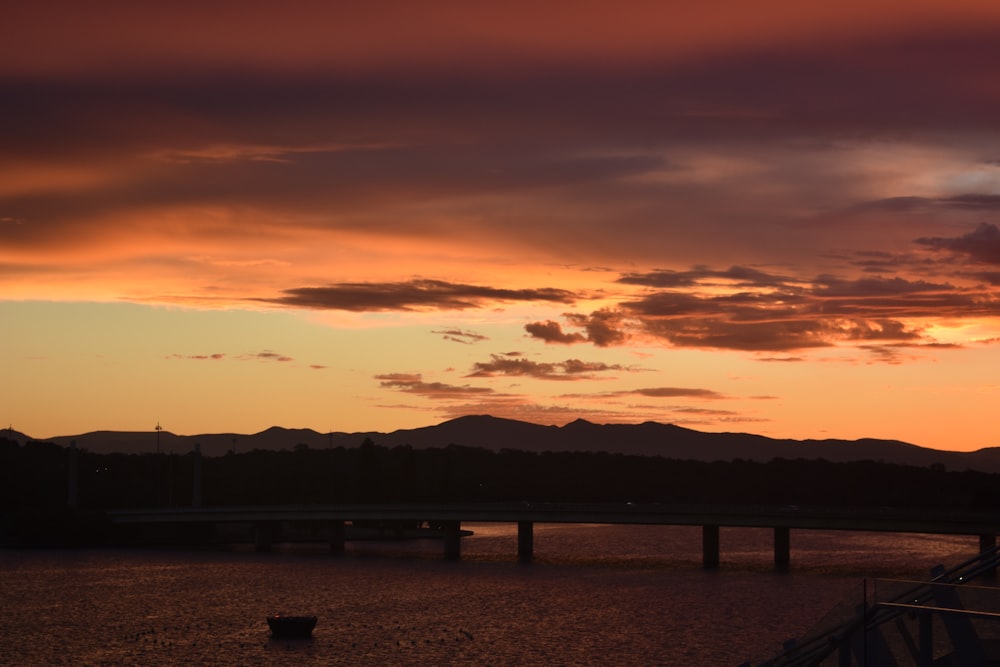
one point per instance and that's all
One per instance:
(779, 218)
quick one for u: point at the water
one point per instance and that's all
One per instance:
(596, 595)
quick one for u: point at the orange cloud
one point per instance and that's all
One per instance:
(748, 309)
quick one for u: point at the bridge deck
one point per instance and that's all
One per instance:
(525, 515)
(881, 519)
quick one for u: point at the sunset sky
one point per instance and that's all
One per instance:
(778, 217)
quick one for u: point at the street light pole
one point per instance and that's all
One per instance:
(159, 468)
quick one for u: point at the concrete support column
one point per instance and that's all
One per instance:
(196, 492)
(710, 547)
(782, 549)
(337, 536)
(452, 540)
(525, 541)
(263, 536)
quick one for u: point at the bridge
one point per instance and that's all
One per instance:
(710, 517)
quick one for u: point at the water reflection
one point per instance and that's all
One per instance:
(596, 595)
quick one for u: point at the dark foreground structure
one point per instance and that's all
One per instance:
(949, 620)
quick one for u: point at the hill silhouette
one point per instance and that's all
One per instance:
(497, 434)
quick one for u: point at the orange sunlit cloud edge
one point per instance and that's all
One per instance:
(822, 190)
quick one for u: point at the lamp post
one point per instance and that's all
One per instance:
(159, 467)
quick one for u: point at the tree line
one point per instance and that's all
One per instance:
(35, 477)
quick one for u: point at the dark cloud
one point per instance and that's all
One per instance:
(413, 383)
(898, 353)
(893, 204)
(677, 392)
(981, 244)
(318, 140)
(746, 309)
(776, 322)
(602, 163)
(975, 202)
(571, 369)
(461, 336)
(267, 356)
(756, 337)
(868, 330)
(886, 263)
(833, 287)
(578, 367)
(706, 412)
(743, 305)
(305, 187)
(767, 91)
(656, 392)
(552, 332)
(603, 328)
(200, 357)
(989, 277)
(513, 366)
(669, 279)
(625, 161)
(411, 295)
(664, 279)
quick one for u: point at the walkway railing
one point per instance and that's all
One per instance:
(945, 620)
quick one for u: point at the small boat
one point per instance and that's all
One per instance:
(291, 627)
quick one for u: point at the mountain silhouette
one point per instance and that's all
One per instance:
(494, 433)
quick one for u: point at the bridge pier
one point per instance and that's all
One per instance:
(710, 547)
(525, 541)
(337, 536)
(782, 549)
(452, 540)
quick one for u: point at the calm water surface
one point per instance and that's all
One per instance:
(596, 595)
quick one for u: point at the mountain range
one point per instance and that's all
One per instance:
(646, 439)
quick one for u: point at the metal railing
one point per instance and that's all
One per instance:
(899, 622)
